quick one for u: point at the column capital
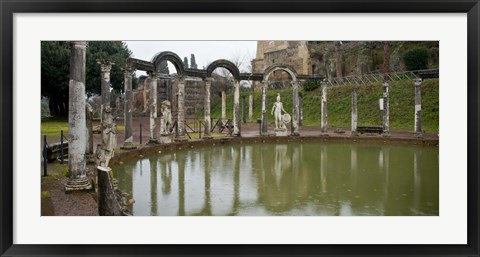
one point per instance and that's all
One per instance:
(417, 82)
(153, 74)
(105, 64)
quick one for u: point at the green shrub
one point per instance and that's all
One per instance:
(310, 86)
(416, 59)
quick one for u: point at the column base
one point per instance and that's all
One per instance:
(281, 132)
(418, 135)
(153, 142)
(207, 137)
(181, 139)
(166, 138)
(128, 146)
(386, 134)
(78, 184)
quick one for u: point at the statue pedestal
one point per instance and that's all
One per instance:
(166, 138)
(281, 132)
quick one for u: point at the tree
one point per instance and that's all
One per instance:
(164, 67)
(185, 62)
(416, 59)
(55, 58)
(193, 64)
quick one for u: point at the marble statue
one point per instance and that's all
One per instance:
(105, 150)
(166, 120)
(277, 112)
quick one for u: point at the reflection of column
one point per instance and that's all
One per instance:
(208, 164)
(353, 166)
(386, 171)
(181, 109)
(250, 108)
(224, 107)
(236, 180)
(354, 112)
(386, 112)
(324, 123)
(153, 187)
(418, 107)
(236, 108)
(264, 108)
(181, 184)
(206, 108)
(128, 143)
(153, 108)
(323, 167)
(417, 179)
(295, 109)
(77, 172)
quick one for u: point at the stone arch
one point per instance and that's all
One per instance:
(224, 64)
(280, 66)
(171, 57)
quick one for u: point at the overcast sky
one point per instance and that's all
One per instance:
(205, 51)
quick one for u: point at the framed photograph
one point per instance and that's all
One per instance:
(420, 216)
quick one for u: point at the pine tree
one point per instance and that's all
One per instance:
(193, 64)
(163, 69)
(185, 62)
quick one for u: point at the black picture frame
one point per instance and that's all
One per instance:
(10, 7)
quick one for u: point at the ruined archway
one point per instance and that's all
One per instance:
(222, 63)
(171, 57)
(295, 100)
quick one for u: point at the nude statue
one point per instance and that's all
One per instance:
(277, 112)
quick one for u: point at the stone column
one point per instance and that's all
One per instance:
(250, 108)
(181, 110)
(127, 110)
(89, 144)
(105, 67)
(300, 107)
(236, 108)
(224, 107)
(354, 112)
(418, 107)
(386, 112)
(77, 170)
(295, 109)
(153, 108)
(206, 108)
(324, 124)
(264, 124)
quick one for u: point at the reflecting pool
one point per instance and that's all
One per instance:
(285, 179)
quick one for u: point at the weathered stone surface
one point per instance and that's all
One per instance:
(181, 110)
(106, 150)
(76, 119)
(108, 202)
(236, 108)
(207, 118)
(264, 124)
(386, 111)
(354, 113)
(418, 107)
(324, 121)
(250, 108)
(295, 109)
(128, 110)
(153, 107)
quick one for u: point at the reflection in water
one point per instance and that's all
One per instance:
(285, 179)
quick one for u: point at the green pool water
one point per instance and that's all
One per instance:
(285, 179)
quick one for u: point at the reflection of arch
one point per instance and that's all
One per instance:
(171, 57)
(224, 64)
(280, 66)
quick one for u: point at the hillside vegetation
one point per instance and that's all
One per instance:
(402, 105)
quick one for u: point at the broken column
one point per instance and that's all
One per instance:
(386, 113)
(181, 110)
(105, 67)
(77, 170)
(354, 112)
(224, 107)
(153, 108)
(264, 124)
(418, 107)
(324, 124)
(206, 108)
(236, 108)
(89, 117)
(295, 109)
(128, 109)
(250, 108)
